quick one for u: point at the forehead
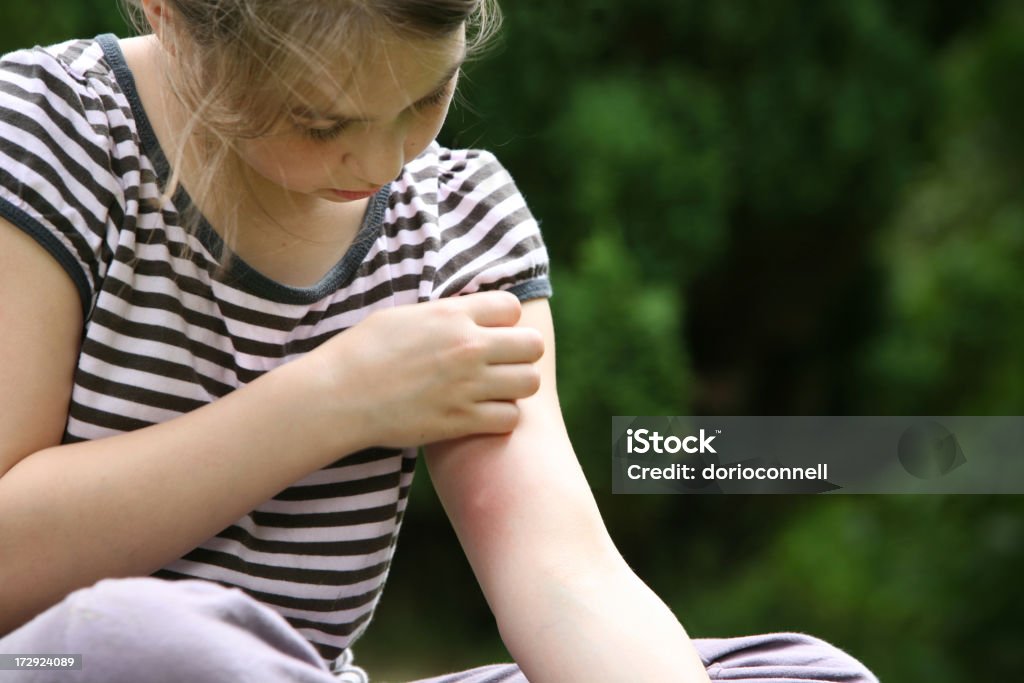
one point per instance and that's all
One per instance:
(382, 73)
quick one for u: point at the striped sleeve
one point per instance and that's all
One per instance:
(489, 238)
(55, 178)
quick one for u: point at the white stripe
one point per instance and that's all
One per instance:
(354, 502)
(333, 475)
(286, 589)
(352, 532)
(291, 561)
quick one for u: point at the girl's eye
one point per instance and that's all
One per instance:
(437, 98)
(433, 100)
(321, 134)
(325, 134)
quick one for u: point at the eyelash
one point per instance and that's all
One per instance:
(327, 134)
(434, 99)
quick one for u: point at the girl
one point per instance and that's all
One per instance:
(231, 253)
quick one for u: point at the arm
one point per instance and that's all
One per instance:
(567, 605)
(129, 504)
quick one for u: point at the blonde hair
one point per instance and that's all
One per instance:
(241, 65)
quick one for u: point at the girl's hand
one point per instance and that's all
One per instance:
(421, 373)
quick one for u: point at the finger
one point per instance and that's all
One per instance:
(512, 345)
(492, 309)
(508, 382)
(494, 417)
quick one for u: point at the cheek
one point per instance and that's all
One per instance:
(423, 133)
(283, 163)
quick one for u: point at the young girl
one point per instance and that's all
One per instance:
(240, 285)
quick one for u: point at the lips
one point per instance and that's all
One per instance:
(352, 196)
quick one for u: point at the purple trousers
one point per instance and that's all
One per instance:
(145, 630)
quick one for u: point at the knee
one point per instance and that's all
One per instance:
(174, 631)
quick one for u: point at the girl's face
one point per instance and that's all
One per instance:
(354, 136)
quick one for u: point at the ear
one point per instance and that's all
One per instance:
(158, 15)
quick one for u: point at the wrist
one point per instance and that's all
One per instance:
(319, 401)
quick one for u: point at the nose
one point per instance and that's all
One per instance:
(377, 156)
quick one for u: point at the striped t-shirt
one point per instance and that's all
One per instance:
(166, 332)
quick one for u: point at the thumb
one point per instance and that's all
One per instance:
(492, 309)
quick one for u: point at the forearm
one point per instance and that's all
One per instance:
(127, 505)
(567, 605)
(602, 624)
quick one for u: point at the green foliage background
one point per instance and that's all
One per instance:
(786, 207)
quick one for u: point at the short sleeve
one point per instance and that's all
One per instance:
(489, 238)
(55, 161)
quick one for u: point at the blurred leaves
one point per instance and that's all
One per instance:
(953, 338)
(25, 24)
(618, 144)
(609, 338)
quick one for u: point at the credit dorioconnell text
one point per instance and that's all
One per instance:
(726, 472)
